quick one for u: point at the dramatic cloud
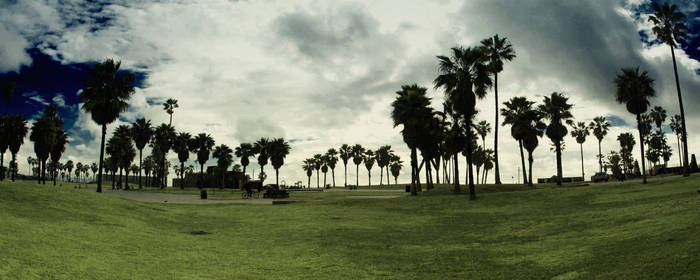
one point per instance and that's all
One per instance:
(323, 73)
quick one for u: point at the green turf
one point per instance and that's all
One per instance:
(614, 231)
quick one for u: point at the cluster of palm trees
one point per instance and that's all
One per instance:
(13, 129)
(63, 171)
(384, 157)
(266, 150)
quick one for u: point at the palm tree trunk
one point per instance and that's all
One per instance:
(201, 175)
(684, 132)
(182, 176)
(318, 182)
(387, 176)
(357, 175)
(102, 157)
(522, 160)
(381, 175)
(427, 175)
(680, 152)
(369, 177)
(472, 191)
(495, 131)
(140, 162)
(583, 175)
(43, 171)
(456, 173)
(324, 179)
(559, 169)
(333, 175)
(437, 171)
(12, 173)
(120, 177)
(414, 168)
(345, 164)
(600, 157)
(641, 146)
(529, 159)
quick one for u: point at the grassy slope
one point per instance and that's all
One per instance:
(618, 231)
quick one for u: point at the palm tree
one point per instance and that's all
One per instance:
(514, 114)
(345, 153)
(488, 163)
(465, 76)
(224, 159)
(324, 168)
(69, 167)
(499, 50)
(182, 145)
(600, 127)
(532, 133)
(634, 89)
(669, 28)
(141, 132)
(163, 137)
(278, 150)
(9, 91)
(203, 143)
(105, 95)
(59, 146)
(169, 107)
(482, 129)
(395, 167)
(579, 132)
(148, 166)
(332, 160)
(557, 110)
(676, 127)
(658, 116)
(78, 168)
(308, 166)
(262, 150)
(93, 168)
(318, 162)
(358, 153)
(411, 108)
(369, 159)
(382, 156)
(43, 135)
(626, 145)
(244, 151)
(18, 128)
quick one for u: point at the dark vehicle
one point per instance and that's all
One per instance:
(600, 177)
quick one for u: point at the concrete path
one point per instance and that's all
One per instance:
(179, 198)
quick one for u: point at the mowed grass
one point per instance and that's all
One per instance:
(612, 231)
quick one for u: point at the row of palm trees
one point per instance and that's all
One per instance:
(384, 157)
(64, 170)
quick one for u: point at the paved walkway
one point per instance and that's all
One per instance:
(178, 198)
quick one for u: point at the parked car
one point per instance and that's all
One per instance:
(599, 177)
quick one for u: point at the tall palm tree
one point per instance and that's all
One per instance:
(43, 135)
(308, 166)
(465, 76)
(169, 106)
(382, 156)
(18, 126)
(203, 144)
(499, 50)
(69, 167)
(514, 114)
(345, 153)
(600, 127)
(318, 163)
(244, 151)
(9, 91)
(59, 146)
(224, 159)
(105, 95)
(369, 159)
(358, 153)
(262, 147)
(634, 89)
(669, 28)
(532, 133)
(579, 132)
(324, 168)
(278, 150)
(141, 132)
(411, 108)
(182, 145)
(163, 137)
(557, 110)
(676, 127)
(658, 116)
(332, 160)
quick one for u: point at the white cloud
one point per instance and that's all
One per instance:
(59, 100)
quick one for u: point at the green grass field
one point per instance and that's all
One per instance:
(612, 231)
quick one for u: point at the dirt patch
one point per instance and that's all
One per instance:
(373, 196)
(199, 232)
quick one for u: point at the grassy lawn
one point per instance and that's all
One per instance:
(612, 231)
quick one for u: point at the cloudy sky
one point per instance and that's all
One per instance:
(323, 73)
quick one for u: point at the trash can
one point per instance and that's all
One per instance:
(203, 194)
(408, 188)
